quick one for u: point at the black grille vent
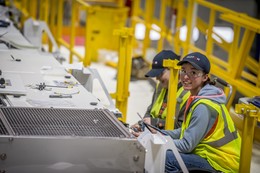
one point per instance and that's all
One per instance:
(63, 122)
(3, 130)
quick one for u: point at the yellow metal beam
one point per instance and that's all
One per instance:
(161, 24)
(72, 29)
(172, 91)
(190, 24)
(149, 13)
(242, 20)
(124, 69)
(59, 21)
(209, 45)
(243, 51)
(251, 114)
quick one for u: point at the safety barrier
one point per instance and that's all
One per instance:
(251, 115)
(124, 70)
(231, 68)
(96, 33)
(172, 65)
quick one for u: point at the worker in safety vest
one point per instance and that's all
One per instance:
(208, 138)
(156, 112)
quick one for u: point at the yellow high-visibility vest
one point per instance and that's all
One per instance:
(221, 147)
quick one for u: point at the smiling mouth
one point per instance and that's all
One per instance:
(186, 82)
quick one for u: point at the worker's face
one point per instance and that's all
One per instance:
(191, 78)
(164, 78)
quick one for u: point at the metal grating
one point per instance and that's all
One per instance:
(63, 122)
(3, 130)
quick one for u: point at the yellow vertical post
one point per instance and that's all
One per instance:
(176, 39)
(149, 9)
(172, 91)
(190, 24)
(162, 25)
(232, 57)
(59, 21)
(41, 10)
(53, 14)
(233, 47)
(250, 113)
(209, 46)
(46, 13)
(33, 9)
(24, 11)
(258, 76)
(72, 29)
(243, 51)
(88, 35)
(44, 10)
(124, 69)
(135, 12)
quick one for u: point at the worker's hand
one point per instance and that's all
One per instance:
(136, 134)
(136, 127)
(147, 120)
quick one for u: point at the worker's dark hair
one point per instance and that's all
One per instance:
(211, 82)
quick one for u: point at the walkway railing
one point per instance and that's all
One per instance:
(237, 67)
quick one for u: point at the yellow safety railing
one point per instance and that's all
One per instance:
(172, 92)
(230, 68)
(251, 115)
(97, 31)
(123, 69)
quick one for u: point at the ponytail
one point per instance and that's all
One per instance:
(213, 82)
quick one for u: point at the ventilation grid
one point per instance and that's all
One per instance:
(3, 130)
(61, 122)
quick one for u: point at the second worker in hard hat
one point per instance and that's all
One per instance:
(157, 110)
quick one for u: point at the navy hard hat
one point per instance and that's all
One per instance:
(198, 61)
(157, 65)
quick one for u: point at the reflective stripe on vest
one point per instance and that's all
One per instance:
(158, 104)
(228, 136)
(182, 96)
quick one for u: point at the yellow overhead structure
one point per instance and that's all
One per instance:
(238, 68)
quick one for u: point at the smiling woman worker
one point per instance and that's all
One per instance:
(207, 138)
